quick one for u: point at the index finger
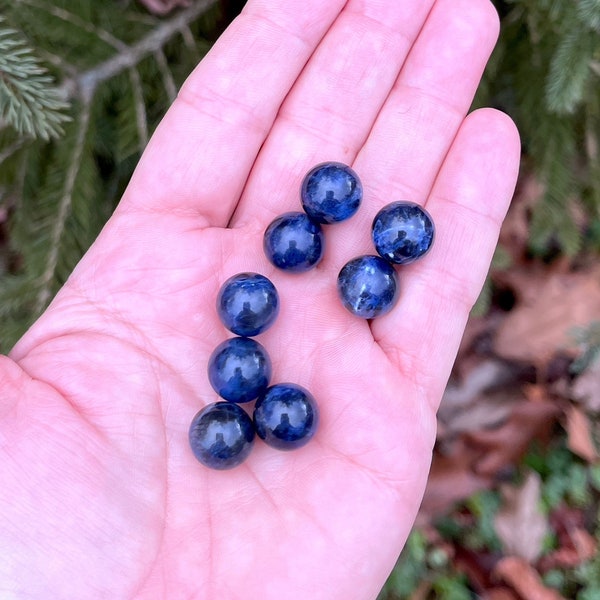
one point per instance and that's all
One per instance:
(199, 157)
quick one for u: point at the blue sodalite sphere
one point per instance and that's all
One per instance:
(294, 242)
(248, 304)
(239, 369)
(286, 416)
(221, 435)
(368, 286)
(331, 192)
(402, 232)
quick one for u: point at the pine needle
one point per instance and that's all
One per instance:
(29, 100)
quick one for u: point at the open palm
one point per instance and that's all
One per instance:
(101, 496)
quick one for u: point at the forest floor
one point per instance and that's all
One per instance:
(511, 510)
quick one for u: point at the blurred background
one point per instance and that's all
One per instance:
(512, 507)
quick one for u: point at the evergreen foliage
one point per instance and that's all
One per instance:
(29, 101)
(545, 72)
(82, 86)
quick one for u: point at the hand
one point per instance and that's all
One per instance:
(101, 496)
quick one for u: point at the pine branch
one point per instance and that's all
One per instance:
(570, 70)
(117, 44)
(128, 56)
(589, 13)
(132, 55)
(85, 86)
(120, 76)
(29, 100)
(64, 208)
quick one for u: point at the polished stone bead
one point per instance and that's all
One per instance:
(286, 416)
(294, 242)
(248, 304)
(239, 369)
(221, 435)
(331, 192)
(402, 232)
(368, 286)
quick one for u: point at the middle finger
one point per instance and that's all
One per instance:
(332, 106)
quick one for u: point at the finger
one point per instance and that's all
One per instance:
(199, 158)
(468, 202)
(332, 107)
(419, 120)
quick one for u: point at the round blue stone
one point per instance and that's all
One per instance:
(368, 286)
(239, 369)
(331, 192)
(248, 304)
(294, 242)
(286, 416)
(221, 435)
(402, 232)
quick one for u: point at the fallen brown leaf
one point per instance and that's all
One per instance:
(582, 548)
(515, 233)
(481, 399)
(478, 566)
(549, 309)
(524, 579)
(526, 279)
(451, 479)
(575, 543)
(422, 592)
(497, 448)
(476, 341)
(579, 435)
(488, 411)
(520, 524)
(482, 376)
(500, 593)
(535, 392)
(471, 461)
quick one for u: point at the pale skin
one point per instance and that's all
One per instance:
(101, 496)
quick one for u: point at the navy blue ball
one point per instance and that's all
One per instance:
(368, 286)
(403, 232)
(294, 242)
(331, 192)
(286, 416)
(221, 435)
(248, 304)
(239, 369)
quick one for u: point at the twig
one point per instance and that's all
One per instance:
(128, 56)
(69, 17)
(190, 42)
(14, 147)
(64, 207)
(131, 56)
(167, 77)
(140, 107)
